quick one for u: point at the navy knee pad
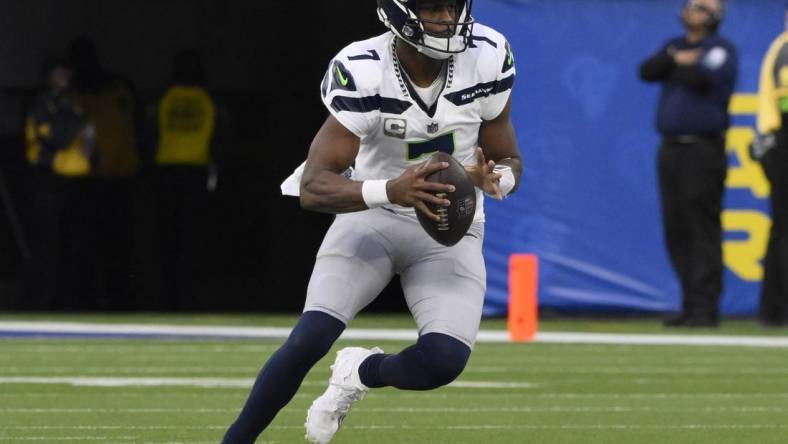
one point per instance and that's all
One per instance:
(434, 361)
(444, 358)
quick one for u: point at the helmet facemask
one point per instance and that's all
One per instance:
(401, 17)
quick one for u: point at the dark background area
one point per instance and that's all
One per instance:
(264, 62)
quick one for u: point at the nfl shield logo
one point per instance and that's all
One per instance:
(432, 128)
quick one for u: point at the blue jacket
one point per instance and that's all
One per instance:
(694, 98)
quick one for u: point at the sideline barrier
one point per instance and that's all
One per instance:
(588, 202)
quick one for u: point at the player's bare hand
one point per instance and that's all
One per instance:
(411, 189)
(483, 175)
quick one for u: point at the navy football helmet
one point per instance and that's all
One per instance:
(401, 17)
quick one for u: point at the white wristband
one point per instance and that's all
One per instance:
(374, 193)
(506, 182)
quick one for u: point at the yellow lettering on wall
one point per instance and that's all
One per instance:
(748, 174)
(744, 104)
(743, 257)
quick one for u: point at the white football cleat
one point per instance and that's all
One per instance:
(344, 388)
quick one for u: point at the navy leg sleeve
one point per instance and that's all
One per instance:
(435, 360)
(281, 376)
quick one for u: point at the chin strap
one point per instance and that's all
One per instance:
(433, 54)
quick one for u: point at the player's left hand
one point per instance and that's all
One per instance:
(483, 175)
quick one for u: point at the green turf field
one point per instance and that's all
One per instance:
(510, 393)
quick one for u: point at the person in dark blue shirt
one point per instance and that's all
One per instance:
(698, 73)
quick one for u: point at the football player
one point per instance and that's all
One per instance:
(436, 82)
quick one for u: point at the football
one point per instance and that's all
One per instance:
(456, 218)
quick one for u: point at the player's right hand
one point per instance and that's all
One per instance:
(411, 189)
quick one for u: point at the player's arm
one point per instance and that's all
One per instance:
(497, 151)
(325, 189)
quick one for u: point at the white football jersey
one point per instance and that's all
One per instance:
(367, 92)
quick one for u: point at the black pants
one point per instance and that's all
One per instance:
(774, 293)
(692, 175)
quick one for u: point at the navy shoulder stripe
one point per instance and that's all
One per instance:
(371, 55)
(476, 38)
(480, 90)
(366, 104)
(324, 85)
(504, 84)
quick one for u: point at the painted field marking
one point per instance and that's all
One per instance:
(115, 427)
(80, 410)
(86, 381)
(462, 427)
(70, 438)
(410, 410)
(48, 329)
(589, 396)
(637, 373)
(151, 347)
(242, 394)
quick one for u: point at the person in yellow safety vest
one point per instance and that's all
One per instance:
(186, 117)
(184, 128)
(108, 102)
(59, 138)
(771, 148)
(61, 148)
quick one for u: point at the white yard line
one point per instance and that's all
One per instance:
(437, 427)
(507, 395)
(69, 438)
(9, 328)
(85, 381)
(80, 410)
(411, 410)
(637, 372)
(655, 339)
(620, 427)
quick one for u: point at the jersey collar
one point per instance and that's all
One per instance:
(407, 87)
